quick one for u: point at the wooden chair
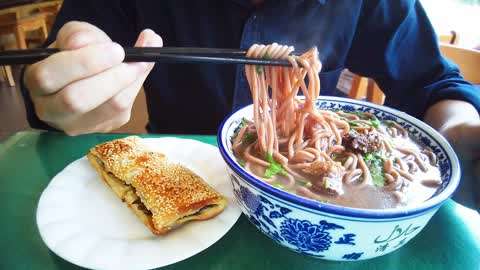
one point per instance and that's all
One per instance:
(12, 24)
(449, 38)
(374, 93)
(139, 117)
(363, 87)
(7, 70)
(50, 13)
(468, 61)
(358, 85)
(8, 75)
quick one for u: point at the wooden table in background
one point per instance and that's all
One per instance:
(18, 20)
(25, 9)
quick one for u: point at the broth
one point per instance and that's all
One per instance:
(355, 194)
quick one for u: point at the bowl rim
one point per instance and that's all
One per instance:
(390, 213)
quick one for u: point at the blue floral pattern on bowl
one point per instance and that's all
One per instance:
(307, 236)
(273, 220)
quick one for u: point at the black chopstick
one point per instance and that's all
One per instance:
(180, 55)
(190, 50)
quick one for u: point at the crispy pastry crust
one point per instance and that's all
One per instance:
(170, 192)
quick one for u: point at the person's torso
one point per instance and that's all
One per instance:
(194, 98)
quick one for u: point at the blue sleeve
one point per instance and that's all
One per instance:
(117, 18)
(395, 44)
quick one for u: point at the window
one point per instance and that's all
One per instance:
(461, 16)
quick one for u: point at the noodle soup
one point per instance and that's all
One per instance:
(345, 158)
(284, 215)
(376, 165)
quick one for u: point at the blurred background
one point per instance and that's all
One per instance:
(26, 23)
(461, 16)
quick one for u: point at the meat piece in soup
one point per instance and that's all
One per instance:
(326, 177)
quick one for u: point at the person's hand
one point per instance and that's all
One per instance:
(459, 122)
(87, 87)
(465, 139)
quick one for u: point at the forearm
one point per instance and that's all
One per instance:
(459, 122)
(449, 115)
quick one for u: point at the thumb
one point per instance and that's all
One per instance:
(147, 38)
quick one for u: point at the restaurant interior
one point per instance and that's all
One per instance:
(26, 24)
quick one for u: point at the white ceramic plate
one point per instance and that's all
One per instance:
(82, 221)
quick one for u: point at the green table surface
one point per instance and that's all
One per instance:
(28, 160)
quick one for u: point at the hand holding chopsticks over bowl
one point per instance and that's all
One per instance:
(87, 87)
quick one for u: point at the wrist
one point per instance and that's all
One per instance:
(464, 139)
(453, 131)
(452, 118)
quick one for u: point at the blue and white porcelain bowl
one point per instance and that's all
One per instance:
(329, 231)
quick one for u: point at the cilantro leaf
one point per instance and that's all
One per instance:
(239, 127)
(375, 165)
(241, 162)
(244, 122)
(274, 167)
(280, 186)
(259, 69)
(352, 124)
(305, 183)
(249, 138)
(378, 179)
(375, 123)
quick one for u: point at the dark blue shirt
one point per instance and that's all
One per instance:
(390, 41)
